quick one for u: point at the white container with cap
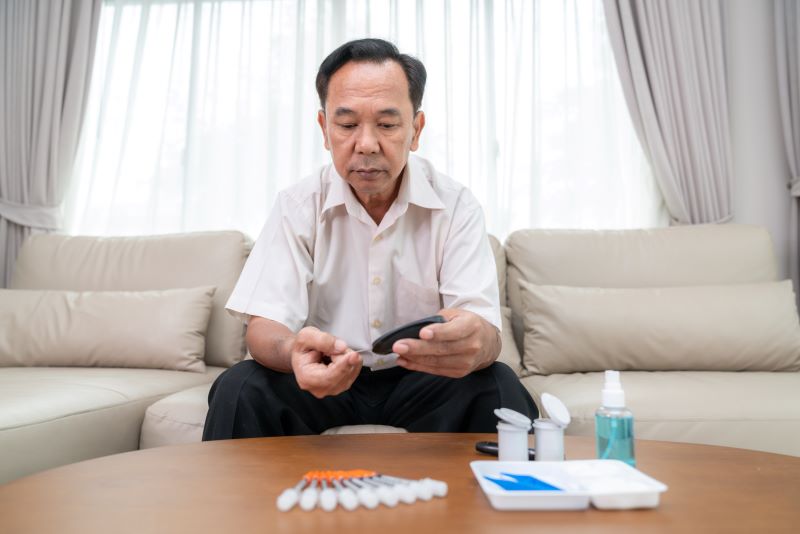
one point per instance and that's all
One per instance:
(550, 432)
(512, 435)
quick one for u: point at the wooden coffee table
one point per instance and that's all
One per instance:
(229, 487)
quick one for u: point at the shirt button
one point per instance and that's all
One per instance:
(378, 237)
(376, 323)
(376, 281)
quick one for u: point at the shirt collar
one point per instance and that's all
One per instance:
(336, 192)
(414, 189)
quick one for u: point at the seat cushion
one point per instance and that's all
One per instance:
(752, 410)
(176, 419)
(53, 416)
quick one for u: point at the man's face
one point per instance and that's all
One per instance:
(369, 126)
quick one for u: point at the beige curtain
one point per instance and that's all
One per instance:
(46, 53)
(669, 54)
(787, 41)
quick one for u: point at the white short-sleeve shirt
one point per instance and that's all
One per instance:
(322, 261)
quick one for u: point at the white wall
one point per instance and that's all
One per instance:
(760, 169)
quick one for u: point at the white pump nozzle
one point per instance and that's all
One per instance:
(613, 395)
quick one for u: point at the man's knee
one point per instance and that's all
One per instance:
(503, 374)
(509, 388)
(244, 401)
(249, 384)
(232, 380)
(496, 375)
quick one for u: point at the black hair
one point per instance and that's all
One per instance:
(374, 51)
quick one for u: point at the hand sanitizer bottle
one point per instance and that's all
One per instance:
(614, 423)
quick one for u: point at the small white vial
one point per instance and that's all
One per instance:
(549, 441)
(512, 443)
(550, 432)
(512, 435)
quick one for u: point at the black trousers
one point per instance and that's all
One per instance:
(250, 400)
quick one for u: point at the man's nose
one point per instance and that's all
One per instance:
(367, 141)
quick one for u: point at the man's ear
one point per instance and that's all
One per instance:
(322, 124)
(419, 124)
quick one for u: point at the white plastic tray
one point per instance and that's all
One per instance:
(606, 484)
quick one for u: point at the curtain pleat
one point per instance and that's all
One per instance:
(787, 45)
(671, 62)
(47, 57)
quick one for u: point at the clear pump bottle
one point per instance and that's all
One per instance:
(614, 423)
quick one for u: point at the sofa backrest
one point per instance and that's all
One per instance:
(500, 262)
(663, 257)
(80, 263)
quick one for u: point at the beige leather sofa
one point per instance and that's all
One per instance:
(747, 409)
(52, 416)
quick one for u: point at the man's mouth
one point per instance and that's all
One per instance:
(368, 172)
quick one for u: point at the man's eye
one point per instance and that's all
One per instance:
(387, 126)
(347, 126)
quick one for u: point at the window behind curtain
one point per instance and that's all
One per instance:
(201, 111)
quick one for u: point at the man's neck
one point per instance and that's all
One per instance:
(377, 205)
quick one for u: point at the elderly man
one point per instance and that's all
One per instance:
(373, 241)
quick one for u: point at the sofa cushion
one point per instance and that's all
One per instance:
(176, 419)
(754, 410)
(82, 263)
(509, 354)
(662, 257)
(500, 262)
(737, 327)
(52, 416)
(158, 329)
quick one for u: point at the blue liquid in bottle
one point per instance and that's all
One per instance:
(614, 434)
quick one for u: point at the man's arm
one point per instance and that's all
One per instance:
(270, 343)
(273, 345)
(465, 343)
(272, 284)
(470, 339)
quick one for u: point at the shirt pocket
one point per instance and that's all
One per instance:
(414, 301)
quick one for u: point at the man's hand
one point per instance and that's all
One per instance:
(308, 350)
(465, 343)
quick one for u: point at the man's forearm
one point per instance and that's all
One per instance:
(270, 343)
(491, 344)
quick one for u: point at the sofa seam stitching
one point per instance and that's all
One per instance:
(171, 420)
